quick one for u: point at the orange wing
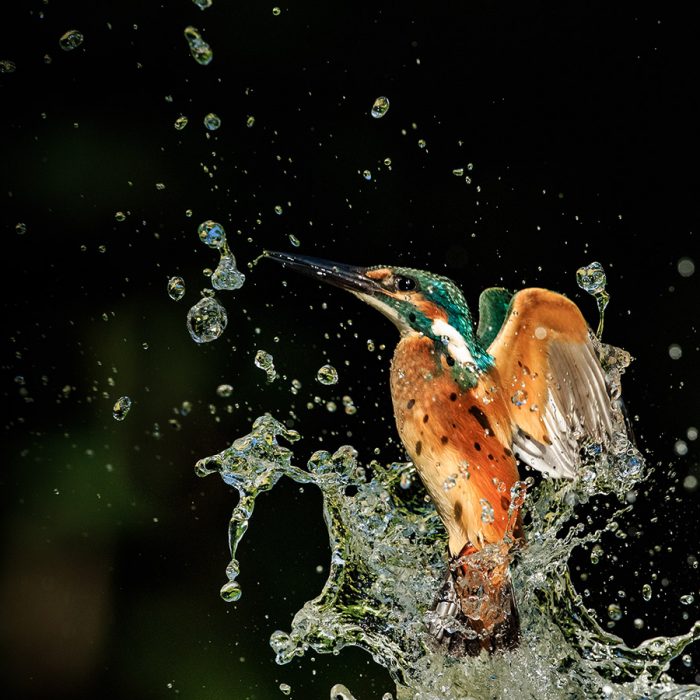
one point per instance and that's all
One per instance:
(548, 365)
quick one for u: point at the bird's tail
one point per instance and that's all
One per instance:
(476, 609)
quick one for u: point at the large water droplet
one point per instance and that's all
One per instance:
(200, 50)
(176, 288)
(327, 375)
(646, 592)
(212, 233)
(121, 408)
(591, 278)
(380, 107)
(71, 40)
(285, 688)
(206, 320)
(181, 122)
(212, 121)
(231, 591)
(227, 276)
(224, 390)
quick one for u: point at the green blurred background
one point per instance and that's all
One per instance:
(580, 122)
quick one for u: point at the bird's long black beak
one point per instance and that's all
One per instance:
(349, 277)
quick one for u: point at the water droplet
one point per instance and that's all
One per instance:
(185, 408)
(120, 216)
(646, 592)
(176, 288)
(276, 11)
(367, 174)
(591, 278)
(370, 345)
(405, 481)
(596, 554)
(7, 66)
(285, 689)
(681, 448)
(687, 660)
(687, 599)
(160, 186)
(686, 267)
(519, 398)
(380, 107)
(212, 121)
(487, 512)
(327, 375)
(265, 362)
(121, 408)
(450, 482)
(224, 390)
(71, 40)
(387, 162)
(614, 611)
(675, 351)
(227, 276)
(278, 209)
(294, 240)
(231, 591)
(206, 320)
(200, 50)
(181, 122)
(692, 433)
(250, 121)
(458, 172)
(21, 229)
(212, 233)
(203, 4)
(422, 143)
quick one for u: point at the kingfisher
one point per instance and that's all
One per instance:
(472, 404)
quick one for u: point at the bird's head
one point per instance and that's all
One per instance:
(415, 300)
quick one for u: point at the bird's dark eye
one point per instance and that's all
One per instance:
(404, 284)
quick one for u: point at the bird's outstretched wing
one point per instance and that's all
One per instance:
(549, 367)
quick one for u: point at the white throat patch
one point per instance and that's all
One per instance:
(456, 345)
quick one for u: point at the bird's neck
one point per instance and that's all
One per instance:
(458, 346)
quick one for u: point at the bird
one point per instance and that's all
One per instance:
(473, 405)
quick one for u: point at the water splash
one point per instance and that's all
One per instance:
(388, 559)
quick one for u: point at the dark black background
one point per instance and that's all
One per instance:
(581, 122)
